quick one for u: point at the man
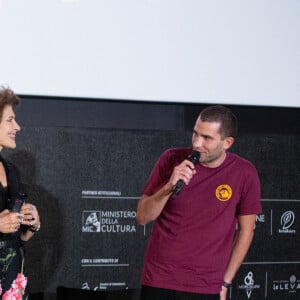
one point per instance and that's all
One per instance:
(200, 236)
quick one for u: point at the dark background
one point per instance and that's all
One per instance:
(70, 145)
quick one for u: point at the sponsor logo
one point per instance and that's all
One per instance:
(91, 222)
(249, 284)
(109, 221)
(287, 220)
(223, 192)
(291, 285)
(104, 286)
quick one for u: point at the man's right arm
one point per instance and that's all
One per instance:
(150, 207)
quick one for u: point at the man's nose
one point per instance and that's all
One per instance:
(197, 142)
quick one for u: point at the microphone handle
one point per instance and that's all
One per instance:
(179, 185)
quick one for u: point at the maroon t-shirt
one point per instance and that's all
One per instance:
(191, 240)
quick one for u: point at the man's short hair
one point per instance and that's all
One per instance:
(224, 116)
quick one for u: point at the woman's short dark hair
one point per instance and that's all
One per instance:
(7, 97)
(224, 116)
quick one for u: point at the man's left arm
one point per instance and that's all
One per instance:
(241, 244)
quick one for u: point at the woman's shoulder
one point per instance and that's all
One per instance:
(8, 165)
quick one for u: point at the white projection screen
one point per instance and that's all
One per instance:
(191, 51)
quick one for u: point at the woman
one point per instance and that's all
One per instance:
(19, 220)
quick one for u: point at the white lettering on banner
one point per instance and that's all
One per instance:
(89, 229)
(286, 286)
(103, 285)
(89, 193)
(86, 193)
(260, 218)
(290, 286)
(118, 214)
(118, 228)
(102, 262)
(99, 260)
(108, 221)
(105, 260)
(86, 261)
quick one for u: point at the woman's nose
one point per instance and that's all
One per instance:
(17, 126)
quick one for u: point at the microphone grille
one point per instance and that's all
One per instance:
(194, 157)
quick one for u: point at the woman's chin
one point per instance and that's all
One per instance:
(10, 146)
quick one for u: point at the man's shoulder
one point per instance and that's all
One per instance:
(240, 161)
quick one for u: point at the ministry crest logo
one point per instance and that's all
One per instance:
(91, 221)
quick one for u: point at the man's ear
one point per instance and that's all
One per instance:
(228, 142)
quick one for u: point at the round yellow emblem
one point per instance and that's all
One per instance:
(223, 192)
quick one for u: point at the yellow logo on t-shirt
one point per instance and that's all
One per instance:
(223, 192)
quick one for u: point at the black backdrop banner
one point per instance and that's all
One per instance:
(84, 166)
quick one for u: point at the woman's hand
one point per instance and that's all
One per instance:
(10, 221)
(30, 215)
(31, 218)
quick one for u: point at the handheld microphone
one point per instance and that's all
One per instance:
(194, 158)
